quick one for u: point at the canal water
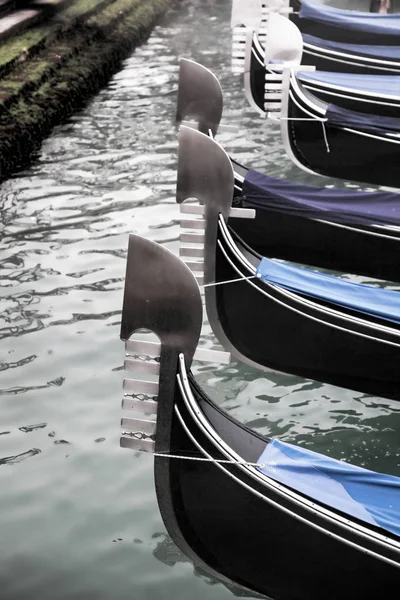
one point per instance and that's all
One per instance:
(78, 515)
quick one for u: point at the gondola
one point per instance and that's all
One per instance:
(327, 139)
(324, 54)
(340, 25)
(270, 517)
(344, 230)
(331, 23)
(375, 94)
(278, 316)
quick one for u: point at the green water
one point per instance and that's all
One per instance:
(78, 515)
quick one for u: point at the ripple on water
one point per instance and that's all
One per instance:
(78, 515)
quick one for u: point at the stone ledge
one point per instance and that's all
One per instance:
(14, 20)
(65, 72)
(17, 21)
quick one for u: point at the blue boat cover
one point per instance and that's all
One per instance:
(343, 117)
(365, 299)
(350, 19)
(380, 52)
(374, 84)
(366, 495)
(263, 192)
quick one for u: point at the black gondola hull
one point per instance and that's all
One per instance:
(254, 538)
(323, 60)
(272, 330)
(352, 100)
(339, 33)
(237, 523)
(345, 153)
(322, 244)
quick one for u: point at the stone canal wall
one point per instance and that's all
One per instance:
(52, 62)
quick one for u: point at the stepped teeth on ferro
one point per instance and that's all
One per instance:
(139, 386)
(143, 347)
(272, 96)
(239, 51)
(191, 237)
(237, 65)
(238, 34)
(195, 265)
(192, 209)
(204, 354)
(191, 252)
(238, 45)
(272, 107)
(140, 396)
(146, 366)
(148, 407)
(193, 223)
(276, 86)
(143, 426)
(238, 42)
(275, 77)
(141, 445)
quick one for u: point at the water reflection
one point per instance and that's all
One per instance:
(169, 554)
(64, 223)
(13, 460)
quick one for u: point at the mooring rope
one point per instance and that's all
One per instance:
(139, 435)
(212, 460)
(213, 284)
(321, 120)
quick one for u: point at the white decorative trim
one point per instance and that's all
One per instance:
(313, 507)
(140, 396)
(304, 301)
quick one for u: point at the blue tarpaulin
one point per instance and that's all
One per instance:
(263, 192)
(366, 495)
(343, 117)
(351, 19)
(388, 85)
(380, 52)
(365, 299)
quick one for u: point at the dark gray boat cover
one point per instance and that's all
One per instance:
(338, 205)
(388, 25)
(373, 85)
(343, 117)
(390, 53)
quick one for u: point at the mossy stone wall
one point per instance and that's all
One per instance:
(51, 70)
